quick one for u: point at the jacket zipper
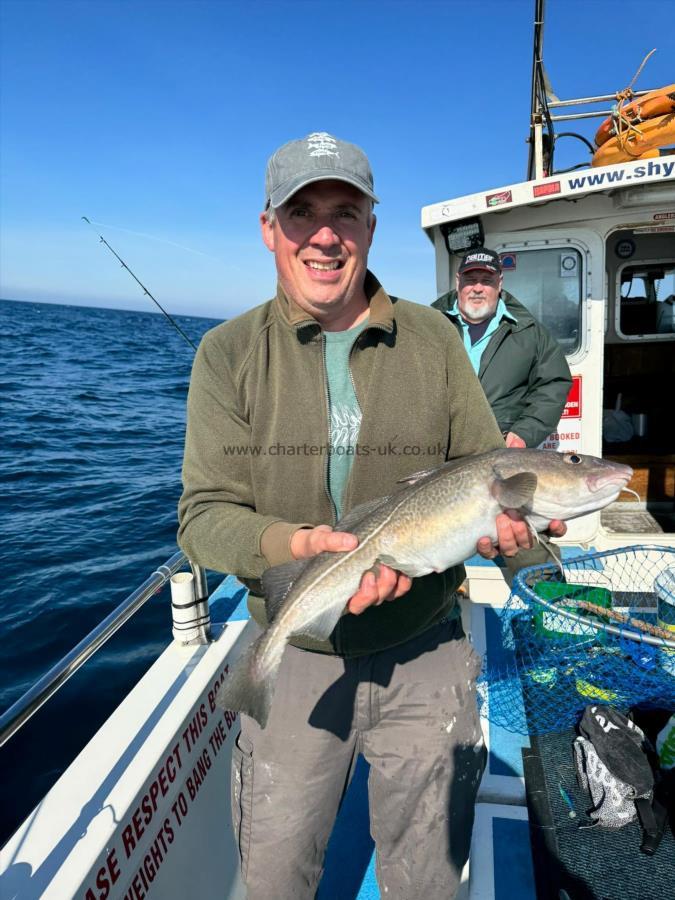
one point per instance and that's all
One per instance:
(358, 403)
(328, 443)
(337, 632)
(338, 642)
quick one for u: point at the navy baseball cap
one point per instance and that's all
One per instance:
(317, 157)
(481, 258)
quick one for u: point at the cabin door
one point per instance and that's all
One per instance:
(639, 383)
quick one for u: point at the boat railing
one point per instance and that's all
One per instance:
(191, 625)
(543, 117)
(586, 101)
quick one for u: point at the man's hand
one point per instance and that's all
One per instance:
(513, 535)
(514, 440)
(376, 586)
(308, 542)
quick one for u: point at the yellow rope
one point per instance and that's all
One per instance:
(622, 124)
(642, 65)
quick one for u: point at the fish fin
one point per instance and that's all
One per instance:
(355, 516)
(249, 687)
(457, 462)
(323, 624)
(277, 582)
(412, 569)
(416, 476)
(516, 491)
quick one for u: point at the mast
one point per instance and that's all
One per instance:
(536, 167)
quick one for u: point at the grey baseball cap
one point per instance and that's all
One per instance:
(317, 157)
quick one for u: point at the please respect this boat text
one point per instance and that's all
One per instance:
(153, 827)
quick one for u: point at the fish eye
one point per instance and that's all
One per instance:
(573, 458)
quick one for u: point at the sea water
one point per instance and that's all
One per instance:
(93, 421)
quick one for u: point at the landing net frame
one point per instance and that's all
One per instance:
(552, 658)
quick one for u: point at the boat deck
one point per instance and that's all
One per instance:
(144, 809)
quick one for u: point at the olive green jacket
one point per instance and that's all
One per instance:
(255, 465)
(523, 372)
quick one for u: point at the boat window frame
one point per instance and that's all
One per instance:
(640, 338)
(556, 242)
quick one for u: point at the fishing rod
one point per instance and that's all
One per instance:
(145, 290)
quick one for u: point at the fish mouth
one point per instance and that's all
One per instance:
(617, 478)
(603, 488)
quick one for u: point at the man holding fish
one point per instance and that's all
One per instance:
(303, 413)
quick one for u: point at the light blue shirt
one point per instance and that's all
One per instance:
(476, 351)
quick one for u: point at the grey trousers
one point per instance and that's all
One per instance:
(412, 712)
(510, 566)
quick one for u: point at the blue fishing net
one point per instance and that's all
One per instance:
(574, 637)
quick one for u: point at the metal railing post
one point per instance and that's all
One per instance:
(19, 713)
(202, 598)
(190, 607)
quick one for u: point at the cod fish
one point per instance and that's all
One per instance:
(432, 523)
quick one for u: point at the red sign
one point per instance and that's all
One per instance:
(499, 198)
(658, 217)
(573, 404)
(543, 190)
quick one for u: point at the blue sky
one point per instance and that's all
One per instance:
(156, 119)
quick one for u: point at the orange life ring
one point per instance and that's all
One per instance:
(657, 103)
(647, 137)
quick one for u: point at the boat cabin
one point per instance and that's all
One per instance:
(592, 256)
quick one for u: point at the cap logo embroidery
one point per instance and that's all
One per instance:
(321, 143)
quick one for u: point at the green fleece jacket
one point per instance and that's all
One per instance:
(255, 465)
(523, 372)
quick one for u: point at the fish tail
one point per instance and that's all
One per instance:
(249, 687)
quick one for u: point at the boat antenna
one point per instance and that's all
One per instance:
(145, 290)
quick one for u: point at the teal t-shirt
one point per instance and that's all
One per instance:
(345, 413)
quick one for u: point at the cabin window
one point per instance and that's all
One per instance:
(647, 299)
(548, 281)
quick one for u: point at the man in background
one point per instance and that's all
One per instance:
(520, 366)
